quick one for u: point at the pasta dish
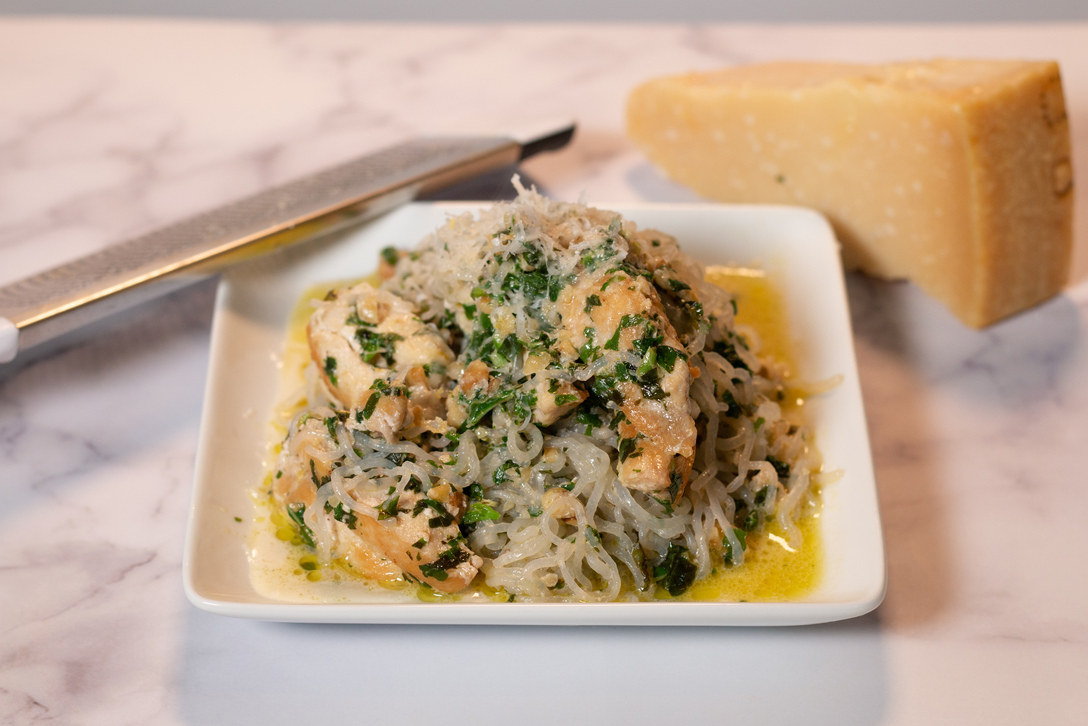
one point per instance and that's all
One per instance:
(544, 400)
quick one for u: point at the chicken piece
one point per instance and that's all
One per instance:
(658, 253)
(422, 538)
(555, 398)
(415, 533)
(618, 316)
(425, 403)
(362, 335)
(307, 458)
(476, 383)
(383, 410)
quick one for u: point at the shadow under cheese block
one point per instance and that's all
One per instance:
(955, 174)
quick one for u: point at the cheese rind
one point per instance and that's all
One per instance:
(954, 174)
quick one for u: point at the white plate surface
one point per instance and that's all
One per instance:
(797, 248)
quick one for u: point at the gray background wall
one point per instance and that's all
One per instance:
(975, 11)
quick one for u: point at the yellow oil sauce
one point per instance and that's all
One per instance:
(772, 570)
(759, 305)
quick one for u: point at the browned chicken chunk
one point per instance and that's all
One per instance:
(620, 317)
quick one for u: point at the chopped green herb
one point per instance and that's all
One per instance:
(342, 514)
(296, 513)
(376, 347)
(371, 404)
(500, 474)
(479, 512)
(648, 362)
(330, 369)
(667, 504)
(727, 549)
(588, 351)
(627, 321)
(482, 405)
(613, 343)
(780, 467)
(399, 457)
(676, 482)
(589, 420)
(388, 508)
(667, 356)
(592, 259)
(734, 410)
(318, 481)
(455, 555)
(436, 573)
(728, 351)
(627, 448)
(651, 338)
(442, 519)
(676, 571)
(762, 494)
(651, 389)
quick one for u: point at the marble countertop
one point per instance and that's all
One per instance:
(111, 128)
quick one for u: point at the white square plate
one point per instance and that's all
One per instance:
(254, 303)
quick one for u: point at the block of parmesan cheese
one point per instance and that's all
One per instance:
(955, 174)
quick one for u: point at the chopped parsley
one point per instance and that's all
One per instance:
(667, 357)
(296, 513)
(342, 514)
(676, 571)
(434, 572)
(371, 404)
(482, 405)
(728, 351)
(727, 549)
(388, 508)
(589, 420)
(479, 512)
(376, 348)
(627, 448)
(780, 467)
(442, 517)
(330, 369)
